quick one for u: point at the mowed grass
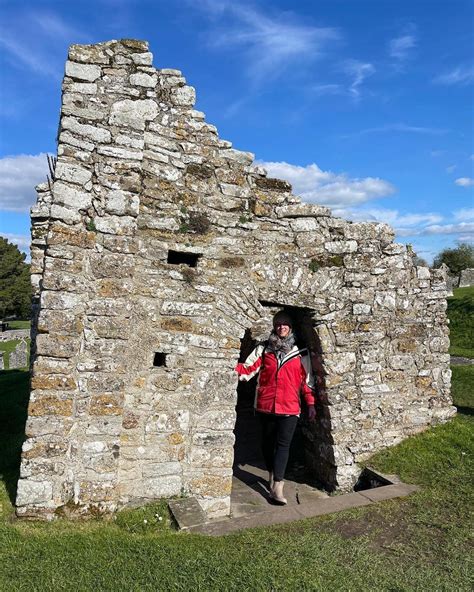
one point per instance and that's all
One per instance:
(419, 543)
(19, 324)
(461, 318)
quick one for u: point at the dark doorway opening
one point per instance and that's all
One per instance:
(311, 459)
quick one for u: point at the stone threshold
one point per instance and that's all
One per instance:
(190, 517)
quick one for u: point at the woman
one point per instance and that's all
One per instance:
(284, 374)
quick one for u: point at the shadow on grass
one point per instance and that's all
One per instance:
(465, 410)
(14, 396)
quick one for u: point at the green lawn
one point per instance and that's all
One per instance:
(19, 324)
(419, 543)
(461, 317)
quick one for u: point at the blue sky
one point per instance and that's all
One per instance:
(364, 105)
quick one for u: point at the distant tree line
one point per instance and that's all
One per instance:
(15, 285)
(457, 259)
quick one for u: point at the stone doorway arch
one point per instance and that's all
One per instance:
(311, 454)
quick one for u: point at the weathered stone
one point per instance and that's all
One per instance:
(83, 71)
(133, 114)
(158, 256)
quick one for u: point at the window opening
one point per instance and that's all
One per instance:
(159, 359)
(182, 258)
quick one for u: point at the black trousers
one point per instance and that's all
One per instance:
(277, 433)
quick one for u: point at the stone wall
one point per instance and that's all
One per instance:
(155, 250)
(466, 278)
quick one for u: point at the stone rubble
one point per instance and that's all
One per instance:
(157, 247)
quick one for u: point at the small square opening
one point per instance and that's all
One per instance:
(182, 258)
(159, 359)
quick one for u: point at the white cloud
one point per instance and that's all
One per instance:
(464, 181)
(400, 221)
(20, 240)
(466, 214)
(465, 229)
(359, 71)
(336, 190)
(402, 128)
(270, 42)
(37, 40)
(460, 75)
(18, 177)
(400, 47)
(451, 169)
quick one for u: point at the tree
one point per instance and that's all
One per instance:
(15, 285)
(462, 257)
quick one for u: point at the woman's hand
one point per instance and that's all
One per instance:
(311, 413)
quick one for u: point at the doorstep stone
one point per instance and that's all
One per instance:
(187, 512)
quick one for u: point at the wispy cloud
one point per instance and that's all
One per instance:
(271, 42)
(465, 214)
(18, 177)
(464, 181)
(358, 71)
(401, 47)
(336, 190)
(465, 230)
(451, 168)
(37, 40)
(461, 75)
(400, 128)
(401, 222)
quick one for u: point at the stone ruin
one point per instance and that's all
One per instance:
(159, 254)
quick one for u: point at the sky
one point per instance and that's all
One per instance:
(365, 106)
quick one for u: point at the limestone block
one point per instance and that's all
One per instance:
(423, 273)
(61, 301)
(165, 486)
(184, 96)
(83, 71)
(117, 152)
(97, 134)
(121, 203)
(34, 492)
(84, 88)
(302, 211)
(305, 225)
(57, 345)
(133, 114)
(361, 309)
(67, 138)
(89, 54)
(121, 225)
(339, 363)
(238, 156)
(142, 59)
(66, 215)
(69, 196)
(144, 80)
(341, 246)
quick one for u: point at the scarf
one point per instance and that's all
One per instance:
(281, 346)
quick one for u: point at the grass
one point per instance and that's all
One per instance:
(415, 544)
(461, 316)
(19, 324)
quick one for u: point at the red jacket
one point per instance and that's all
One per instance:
(279, 384)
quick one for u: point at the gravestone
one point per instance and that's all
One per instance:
(19, 356)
